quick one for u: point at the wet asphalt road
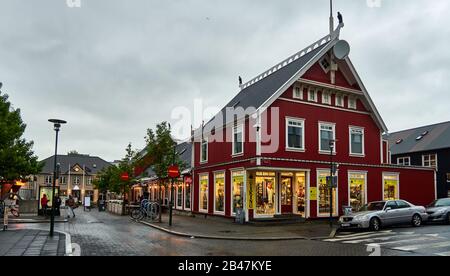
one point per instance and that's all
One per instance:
(103, 234)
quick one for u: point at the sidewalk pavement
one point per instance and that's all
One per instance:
(31, 218)
(24, 242)
(226, 229)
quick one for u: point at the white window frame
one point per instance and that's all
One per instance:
(48, 179)
(225, 192)
(294, 92)
(237, 129)
(401, 161)
(430, 155)
(351, 129)
(352, 100)
(76, 180)
(365, 185)
(302, 122)
(185, 185)
(61, 182)
(180, 185)
(336, 101)
(333, 125)
(397, 196)
(327, 58)
(204, 160)
(326, 93)
(205, 211)
(335, 200)
(238, 172)
(312, 91)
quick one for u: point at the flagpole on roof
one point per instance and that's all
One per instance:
(331, 18)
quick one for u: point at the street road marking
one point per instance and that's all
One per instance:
(359, 237)
(349, 235)
(422, 246)
(369, 240)
(406, 241)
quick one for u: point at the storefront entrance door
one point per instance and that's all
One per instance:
(286, 195)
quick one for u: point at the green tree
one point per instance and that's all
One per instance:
(17, 159)
(161, 149)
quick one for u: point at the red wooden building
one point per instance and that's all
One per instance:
(271, 148)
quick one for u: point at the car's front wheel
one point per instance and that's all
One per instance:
(375, 224)
(417, 220)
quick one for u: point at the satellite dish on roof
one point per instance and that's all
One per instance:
(341, 50)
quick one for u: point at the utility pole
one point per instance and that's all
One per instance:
(331, 18)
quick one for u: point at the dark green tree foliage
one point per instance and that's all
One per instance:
(17, 159)
(160, 147)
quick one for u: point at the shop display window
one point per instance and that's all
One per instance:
(204, 193)
(391, 188)
(357, 186)
(265, 194)
(324, 195)
(219, 193)
(238, 190)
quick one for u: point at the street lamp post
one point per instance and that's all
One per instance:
(172, 197)
(57, 126)
(332, 144)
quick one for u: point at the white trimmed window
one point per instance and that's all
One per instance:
(404, 161)
(76, 180)
(238, 140)
(48, 179)
(352, 103)
(219, 193)
(327, 135)
(325, 64)
(339, 100)
(312, 95)
(326, 97)
(298, 92)
(204, 151)
(62, 180)
(429, 160)
(203, 193)
(295, 134)
(357, 141)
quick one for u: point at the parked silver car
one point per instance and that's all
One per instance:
(379, 214)
(439, 211)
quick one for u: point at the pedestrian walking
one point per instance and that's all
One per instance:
(44, 204)
(58, 203)
(70, 203)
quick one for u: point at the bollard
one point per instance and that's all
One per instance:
(5, 218)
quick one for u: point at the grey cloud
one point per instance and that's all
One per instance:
(114, 68)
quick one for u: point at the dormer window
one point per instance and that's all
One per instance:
(352, 103)
(312, 95)
(298, 93)
(326, 98)
(325, 64)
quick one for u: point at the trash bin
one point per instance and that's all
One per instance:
(101, 205)
(347, 210)
(240, 216)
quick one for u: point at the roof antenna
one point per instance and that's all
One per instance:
(331, 18)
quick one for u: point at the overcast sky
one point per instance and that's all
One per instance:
(114, 68)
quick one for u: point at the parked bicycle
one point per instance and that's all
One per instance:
(147, 209)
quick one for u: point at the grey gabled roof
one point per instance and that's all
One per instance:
(438, 137)
(255, 95)
(93, 164)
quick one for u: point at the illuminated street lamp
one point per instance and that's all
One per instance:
(57, 125)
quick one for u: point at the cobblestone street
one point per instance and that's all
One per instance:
(103, 234)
